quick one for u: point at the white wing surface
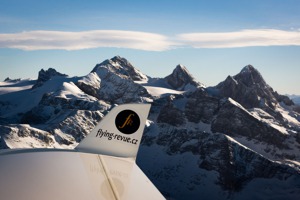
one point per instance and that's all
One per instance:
(35, 174)
(72, 176)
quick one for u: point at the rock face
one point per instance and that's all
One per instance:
(234, 120)
(222, 142)
(90, 84)
(236, 166)
(248, 88)
(283, 98)
(181, 79)
(202, 132)
(171, 115)
(201, 107)
(45, 76)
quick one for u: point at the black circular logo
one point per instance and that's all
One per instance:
(127, 122)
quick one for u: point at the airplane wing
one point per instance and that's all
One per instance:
(101, 167)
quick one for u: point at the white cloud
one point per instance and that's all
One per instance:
(42, 40)
(243, 38)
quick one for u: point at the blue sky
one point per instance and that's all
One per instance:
(213, 39)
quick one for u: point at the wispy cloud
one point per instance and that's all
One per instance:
(243, 38)
(43, 40)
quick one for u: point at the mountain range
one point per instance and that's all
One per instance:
(239, 139)
(295, 98)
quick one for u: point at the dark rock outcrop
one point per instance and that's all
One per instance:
(181, 79)
(171, 115)
(285, 99)
(233, 120)
(45, 76)
(248, 88)
(201, 107)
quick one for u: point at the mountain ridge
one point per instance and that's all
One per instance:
(230, 144)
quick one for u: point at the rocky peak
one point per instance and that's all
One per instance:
(181, 69)
(45, 76)
(113, 81)
(122, 61)
(11, 80)
(248, 88)
(248, 69)
(180, 79)
(7, 79)
(122, 67)
(250, 76)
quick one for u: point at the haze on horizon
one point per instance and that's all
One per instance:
(213, 39)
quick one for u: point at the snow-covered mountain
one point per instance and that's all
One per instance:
(250, 89)
(237, 140)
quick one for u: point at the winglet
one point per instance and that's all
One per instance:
(119, 133)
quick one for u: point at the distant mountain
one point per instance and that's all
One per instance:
(114, 81)
(250, 89)
(46, 75)
(11, 80)
(122, 67)
(181, 79)
(295, 99)
(236, 140)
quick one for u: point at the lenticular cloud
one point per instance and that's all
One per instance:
(244, 38)
(42, 40)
